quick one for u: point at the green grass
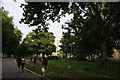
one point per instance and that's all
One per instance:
(48, 74)
(78, 69)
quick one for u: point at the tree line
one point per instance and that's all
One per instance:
(11, 35)
(95, 27)
(39, 41)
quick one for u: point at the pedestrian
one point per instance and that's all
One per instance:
(23, 64)
(44, 61)
(44, 64)
(19, 62)
(35, 60)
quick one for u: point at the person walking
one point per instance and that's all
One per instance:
(23, 64)
(44, 64)
(35, 60)
(19, 62)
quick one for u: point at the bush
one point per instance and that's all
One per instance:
(86, 69)
(52, 57)
(80, 58)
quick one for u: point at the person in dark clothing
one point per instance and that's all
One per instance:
(44, 64)
(23, 64)
(35, 59)
(19, 62)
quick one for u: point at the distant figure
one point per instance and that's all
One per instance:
(44, 61)
(12, 56)
(19, 62)
(44, 64)
(23, 64)
(35, 59)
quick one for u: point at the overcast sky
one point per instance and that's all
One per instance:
(15, 11)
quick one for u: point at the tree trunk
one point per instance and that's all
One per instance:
(43, 55)
(104, 52)
(66, 55)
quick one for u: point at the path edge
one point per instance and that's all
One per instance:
(36, 74)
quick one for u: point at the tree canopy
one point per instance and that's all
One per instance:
(38, 13)
(95, 26)
(11, 36)
(40, 42)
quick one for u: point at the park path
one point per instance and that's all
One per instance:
(10, 71)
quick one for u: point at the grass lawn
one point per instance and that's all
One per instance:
(74, 69)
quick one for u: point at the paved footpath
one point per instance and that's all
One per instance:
(10, 71)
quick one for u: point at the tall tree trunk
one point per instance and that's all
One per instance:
(66, 55)
(104, 52)
(43, 55)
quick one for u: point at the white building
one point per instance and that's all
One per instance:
(57, 52)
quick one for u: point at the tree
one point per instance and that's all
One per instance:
(40, 42)
(23, 50)
(93, 24)
(11, 36)
(68, 44)
(35, 15)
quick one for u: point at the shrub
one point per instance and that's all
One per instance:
(86, 69)
(80, 58)
(52, 57)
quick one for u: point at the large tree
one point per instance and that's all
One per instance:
(11, 36)
(40, 42)
(23, 50)
(68, 44)
(38, 13)
(93, 24)
(96, 25)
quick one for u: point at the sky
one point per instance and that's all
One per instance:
(15, 11)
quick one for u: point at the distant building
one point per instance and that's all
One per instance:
(57, 52)
(58, 46)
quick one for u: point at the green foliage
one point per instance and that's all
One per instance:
(38, 13)
(40, 42)
(68, 44)
(11, 36)
(53, 57)
(95, 27)
(80, 69)
(23, 50)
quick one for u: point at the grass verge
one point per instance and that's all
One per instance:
(73, 69)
